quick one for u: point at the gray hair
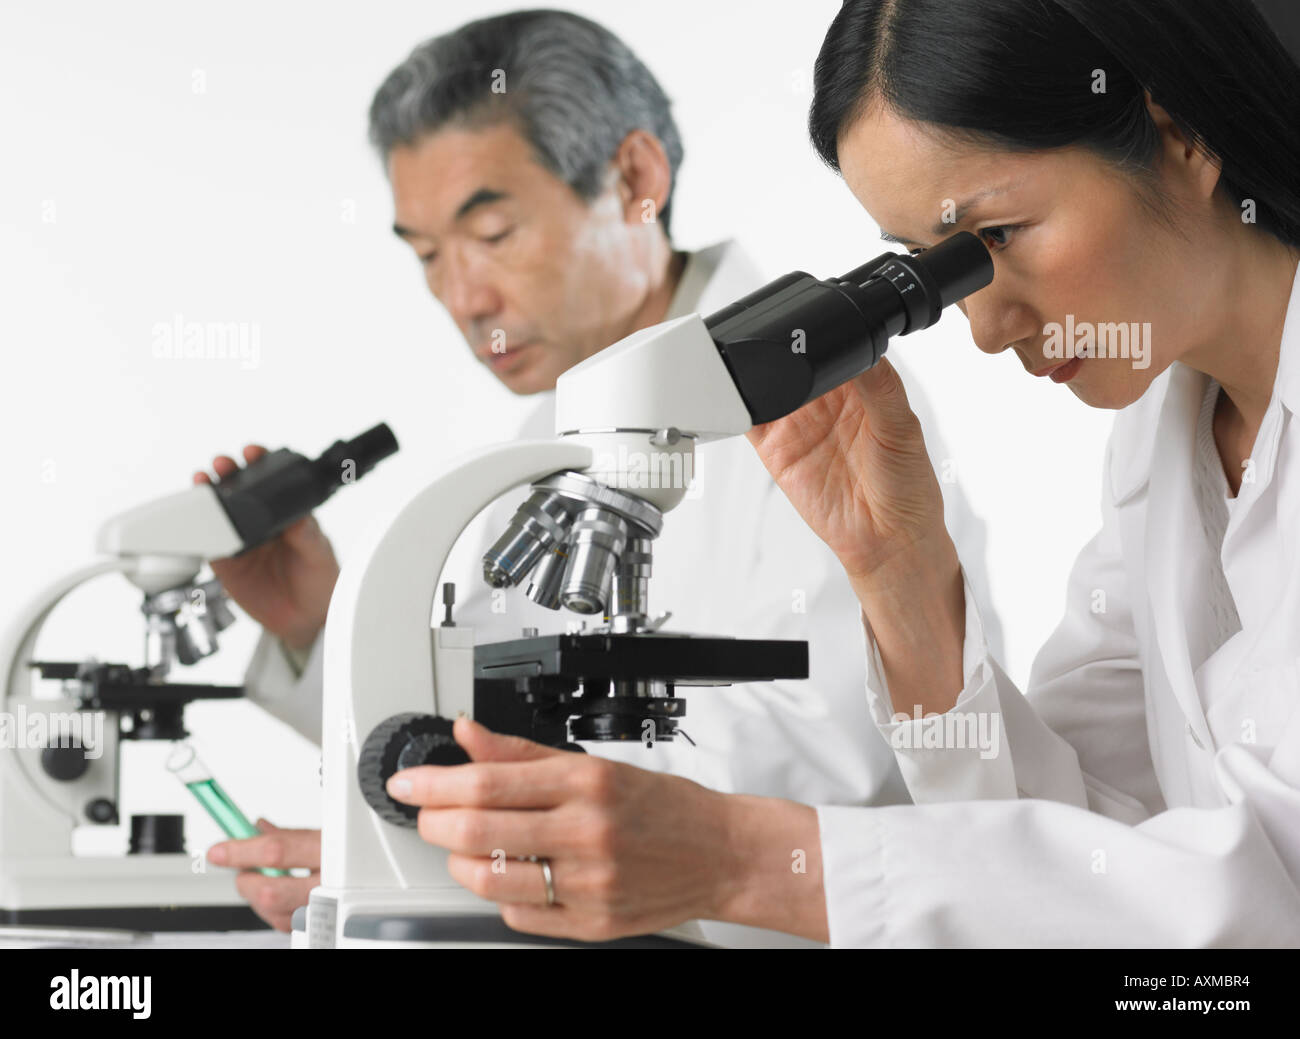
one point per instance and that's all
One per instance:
(573, 88)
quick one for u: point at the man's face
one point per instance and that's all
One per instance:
(536, 278)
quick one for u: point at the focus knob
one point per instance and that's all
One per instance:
(65, 763)
(403, 741)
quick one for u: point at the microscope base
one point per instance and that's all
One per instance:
(139, 918)
(139, 892)
(372, 920)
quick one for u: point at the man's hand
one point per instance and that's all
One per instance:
(273, 898)
(285, 584)
(630, 851)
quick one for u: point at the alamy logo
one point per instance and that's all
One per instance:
(182, 340)
(647, 470)
(1109, 339)
(73, 992)
(22, 729)
(954, 730)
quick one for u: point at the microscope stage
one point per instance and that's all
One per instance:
(658, 656)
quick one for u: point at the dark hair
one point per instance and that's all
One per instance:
(1019, 74)
(573, 88)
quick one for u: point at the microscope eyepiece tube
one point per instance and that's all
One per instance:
(799, 337)
(281, 487)
(951, 270)
(348, 460)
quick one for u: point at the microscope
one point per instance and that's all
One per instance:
(627, 422)
(60, 769)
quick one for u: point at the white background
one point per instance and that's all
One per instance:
(209, 161)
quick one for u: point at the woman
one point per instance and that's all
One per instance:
(1125, 162)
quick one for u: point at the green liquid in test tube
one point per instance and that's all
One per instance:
(186, 766)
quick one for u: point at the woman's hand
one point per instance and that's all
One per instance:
(285, 585)
(630, 851)
(853, 463)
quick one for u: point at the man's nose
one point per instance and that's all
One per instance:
(467, 293)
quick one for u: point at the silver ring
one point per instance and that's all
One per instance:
(546, 877)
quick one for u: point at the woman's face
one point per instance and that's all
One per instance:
(1077, 255)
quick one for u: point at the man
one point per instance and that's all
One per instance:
(532, 159)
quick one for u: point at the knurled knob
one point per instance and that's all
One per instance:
(400, 742)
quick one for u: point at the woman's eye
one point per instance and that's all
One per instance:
(999, 236)
(427, 258)
(493, 239)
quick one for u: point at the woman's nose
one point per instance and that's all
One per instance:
(991, 322)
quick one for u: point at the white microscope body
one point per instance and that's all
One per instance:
(60, 748)
(623, 419)
(159, 548)
(627, 420)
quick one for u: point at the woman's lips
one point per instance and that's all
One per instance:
(1063, 372)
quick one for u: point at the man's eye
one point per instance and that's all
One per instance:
(493, 239)
(427, 258)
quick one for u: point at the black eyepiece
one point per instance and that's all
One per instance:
(959, 266)
(351, 459)
(281, 487)
(799, 337)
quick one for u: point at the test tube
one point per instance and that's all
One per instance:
(188, 767)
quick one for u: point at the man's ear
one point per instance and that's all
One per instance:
(1182, 155)
(644, 177)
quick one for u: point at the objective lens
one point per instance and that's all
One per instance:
(538, 524)
(597, 539)
(632, 584)
(547, 581)
(217, 605)
(194, 640)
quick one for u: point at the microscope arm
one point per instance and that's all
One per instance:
(382, 659)
(16, 649)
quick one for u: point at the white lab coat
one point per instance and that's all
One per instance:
(734, 559)
(1136, 801)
